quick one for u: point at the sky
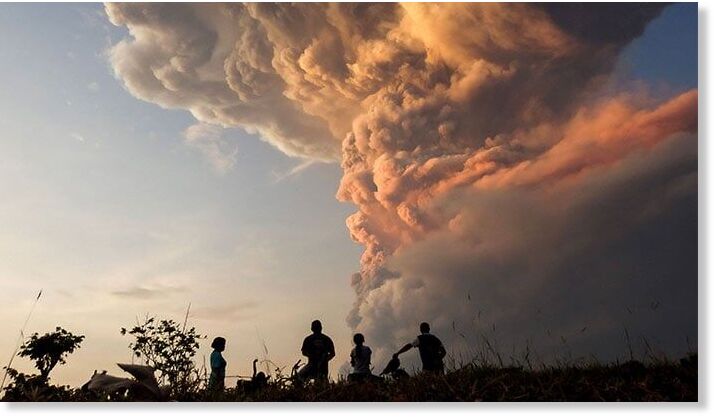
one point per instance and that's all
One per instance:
(124, 200)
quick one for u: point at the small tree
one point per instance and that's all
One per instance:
(169, 349)
(51, 349)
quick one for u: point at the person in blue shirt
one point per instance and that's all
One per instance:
(218, 365)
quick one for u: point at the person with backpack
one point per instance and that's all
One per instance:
(431, 350)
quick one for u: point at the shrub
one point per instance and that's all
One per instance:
(50, 349)
(169, 349)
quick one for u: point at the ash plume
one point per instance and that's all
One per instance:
(496, 185)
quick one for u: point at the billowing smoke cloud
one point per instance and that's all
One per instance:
(500, 193)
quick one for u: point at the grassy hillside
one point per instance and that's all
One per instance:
(630, 381)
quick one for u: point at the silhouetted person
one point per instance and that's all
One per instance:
(319, 350)
(431, 350)
(259, 380)
(360, 359)
(217, 380)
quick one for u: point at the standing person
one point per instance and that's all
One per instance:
(431, 350)
(218, 365)
(319, 350)
(360, 358)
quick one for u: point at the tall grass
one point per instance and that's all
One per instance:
(20, 339)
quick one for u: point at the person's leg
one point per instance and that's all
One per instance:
(323, 372)
(360, 377)
(433, 370)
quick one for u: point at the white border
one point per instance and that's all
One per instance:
(543, 410)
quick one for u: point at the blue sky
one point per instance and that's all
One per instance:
(114, 215)
(667, 52)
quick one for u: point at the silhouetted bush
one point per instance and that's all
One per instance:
(169, 348)
(50, 349)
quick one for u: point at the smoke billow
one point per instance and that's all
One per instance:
(498, 189)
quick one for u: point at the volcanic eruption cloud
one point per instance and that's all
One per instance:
(506, 192)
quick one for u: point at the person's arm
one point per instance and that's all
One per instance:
(404, 349)
(305, 351)
(330, 349)
(442, 350)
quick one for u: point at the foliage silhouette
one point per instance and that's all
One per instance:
(47, 351)
(168, 348)
(50, 349)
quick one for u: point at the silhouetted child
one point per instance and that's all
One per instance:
(259, 380)
(360, 359)
(218, 365)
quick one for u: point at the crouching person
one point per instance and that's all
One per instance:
(259, 380)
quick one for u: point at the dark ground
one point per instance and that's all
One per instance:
(624, 382)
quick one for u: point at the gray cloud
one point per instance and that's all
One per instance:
(585, 264)
(229, 312)
(209, 60)
(209, 141)
(148, 292)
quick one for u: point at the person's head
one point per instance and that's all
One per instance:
(218, 344)
(316, 326)
(424, 328)
(260, 377)
(358, 339)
